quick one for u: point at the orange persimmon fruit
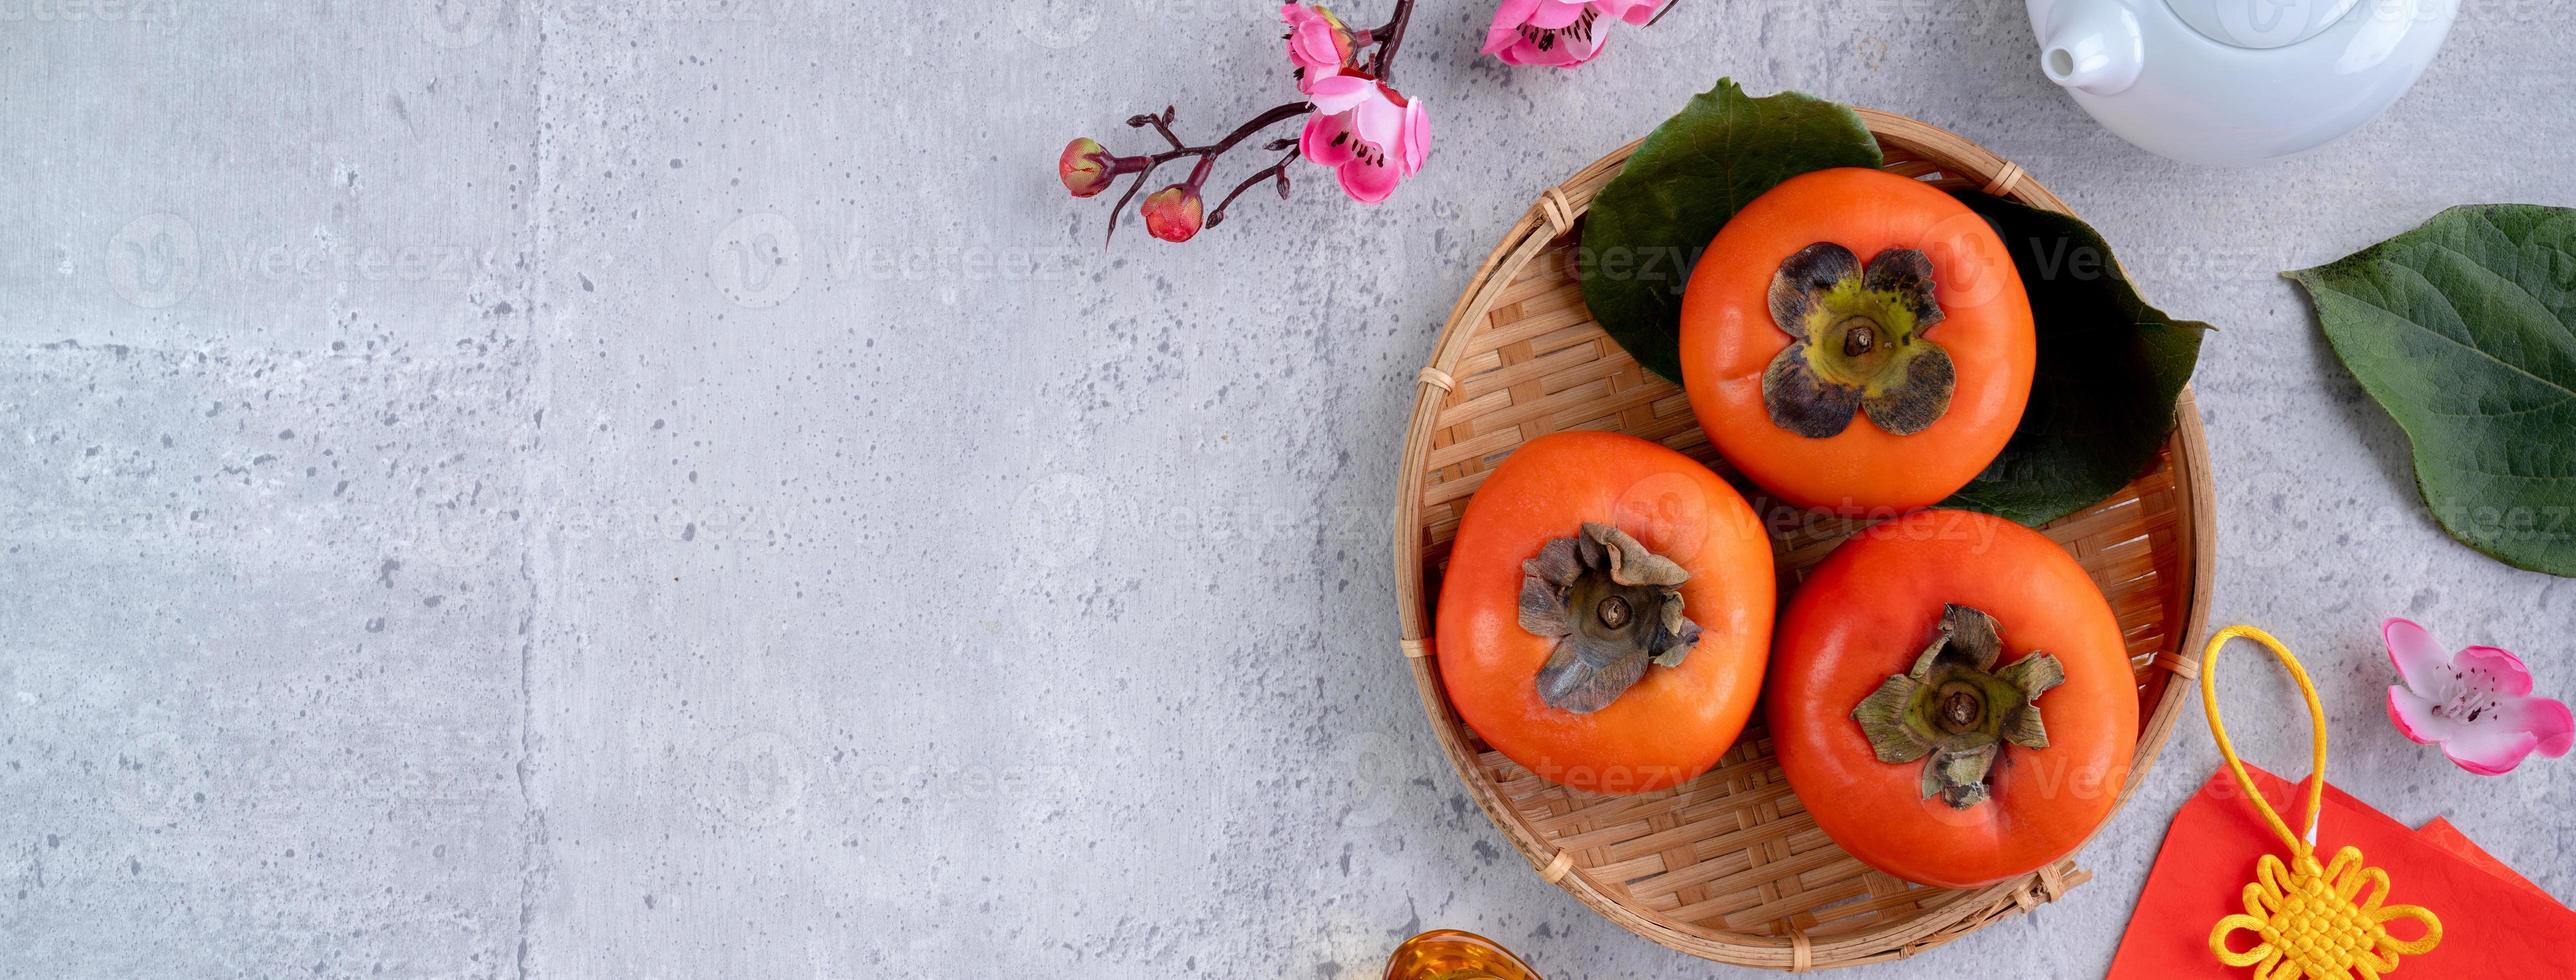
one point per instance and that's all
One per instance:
(1606, 613)
(1951, 698)
(1857, 341)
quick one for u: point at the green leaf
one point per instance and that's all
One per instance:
(2465, 331)
(1650, 224)
(2110, 367)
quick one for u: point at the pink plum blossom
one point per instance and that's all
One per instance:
(1318, 44)
(1371, 136)
(2477, 703)
(1559, 33)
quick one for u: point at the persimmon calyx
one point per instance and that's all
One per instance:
(1612, 607)
(1955, 708)
(1859, 346)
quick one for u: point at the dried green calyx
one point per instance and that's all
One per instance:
(1613, 609)
(1956, 708)
(1859, 346)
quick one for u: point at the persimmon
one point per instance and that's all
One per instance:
(1606, 613)
(1951, 698)
(1856, 340)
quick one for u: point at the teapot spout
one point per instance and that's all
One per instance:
(2094, 46)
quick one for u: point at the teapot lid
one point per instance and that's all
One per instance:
(2260, 23)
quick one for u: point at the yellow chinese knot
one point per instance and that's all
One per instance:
(2317, 923)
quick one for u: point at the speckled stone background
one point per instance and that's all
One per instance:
(673, 489)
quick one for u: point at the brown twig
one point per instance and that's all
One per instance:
(1277, 170)
(1392, 36)
(1162, 124)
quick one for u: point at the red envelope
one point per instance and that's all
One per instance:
(2449, 838)
(2494, 924)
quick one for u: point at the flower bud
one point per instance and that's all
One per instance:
(1085, 167)
(1174, 213)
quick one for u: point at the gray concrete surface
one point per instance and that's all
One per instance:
(508, 488)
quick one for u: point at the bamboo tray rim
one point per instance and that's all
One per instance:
(1554, 214)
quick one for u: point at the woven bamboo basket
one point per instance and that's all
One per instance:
(1729, 866)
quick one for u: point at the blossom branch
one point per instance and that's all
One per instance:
(1389, 38)
(1208, 154)
(1277, 171)
(1143, 167)
(1162, 124)
(1356, 124)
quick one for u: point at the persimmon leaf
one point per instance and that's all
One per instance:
(1649, 224)
(2110, 368)
(2465, 331)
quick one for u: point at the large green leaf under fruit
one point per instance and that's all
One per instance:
(1650, 224)
(2110, 367)
(2465, 331)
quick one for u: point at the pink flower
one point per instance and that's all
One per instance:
(2477, 703)
(1318, 44)
(1560, 33)
(1370, 135)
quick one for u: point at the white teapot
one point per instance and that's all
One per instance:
(2232, 82)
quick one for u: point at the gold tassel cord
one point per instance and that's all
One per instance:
(2308, 922)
